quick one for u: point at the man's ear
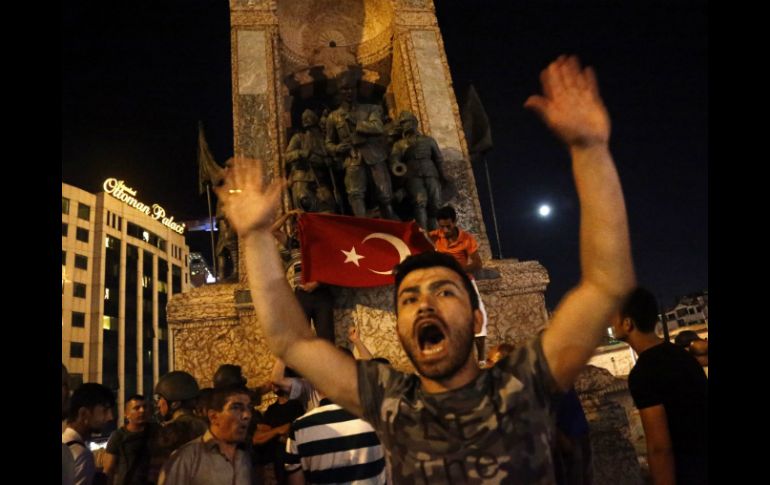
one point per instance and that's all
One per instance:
(212, 414)
(628, 324)
(84, 415)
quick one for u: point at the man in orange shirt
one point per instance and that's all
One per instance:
(462, 246)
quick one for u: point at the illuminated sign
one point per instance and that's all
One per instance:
(127, 195)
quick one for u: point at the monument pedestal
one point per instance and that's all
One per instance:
(216, 324)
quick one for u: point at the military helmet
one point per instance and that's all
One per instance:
(229, 375)
(177, 386)
(405, 116)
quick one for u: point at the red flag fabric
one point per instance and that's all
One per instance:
(356, 251)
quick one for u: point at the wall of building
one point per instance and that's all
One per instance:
(134, 265)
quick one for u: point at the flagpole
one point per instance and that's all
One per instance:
(211, 230)
(494, 212)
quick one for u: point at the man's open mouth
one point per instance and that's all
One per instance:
(431, 338)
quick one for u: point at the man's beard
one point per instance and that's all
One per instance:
(460, 344)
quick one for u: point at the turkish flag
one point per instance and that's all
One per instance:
(356, 251)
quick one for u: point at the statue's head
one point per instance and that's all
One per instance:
(309, 118)
(407, 121)
(347, 86)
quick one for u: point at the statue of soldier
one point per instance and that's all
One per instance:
(227, 247)
(355, 135)
(418, 158)
(210, 173)
(310, 180)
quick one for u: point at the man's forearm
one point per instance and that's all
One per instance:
(278, 311)
(662, 468)
(605, 248)
(607, 274)
(363, 351)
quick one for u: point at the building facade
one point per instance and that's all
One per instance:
(122, 260)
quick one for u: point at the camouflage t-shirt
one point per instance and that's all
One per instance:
(496, 429)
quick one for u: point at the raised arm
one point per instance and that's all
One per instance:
(573, 109)
(276, 228)
(249, 205)
(355, 339)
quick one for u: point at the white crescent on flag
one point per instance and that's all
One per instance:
(401, 247)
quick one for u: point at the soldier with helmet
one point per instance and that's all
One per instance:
(355, 136)
(418, 158)
(309, 168)
(175, 398)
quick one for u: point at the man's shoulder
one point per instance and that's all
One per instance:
(385, 377)
(465, 235)
(192, 445)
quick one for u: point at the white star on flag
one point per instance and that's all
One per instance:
(351, 256)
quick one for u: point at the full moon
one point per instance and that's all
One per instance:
(544, 210)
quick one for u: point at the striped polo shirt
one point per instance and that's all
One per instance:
(330, 445)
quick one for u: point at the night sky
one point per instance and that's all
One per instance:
(138, 76)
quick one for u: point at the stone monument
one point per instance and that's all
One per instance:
(285, 57)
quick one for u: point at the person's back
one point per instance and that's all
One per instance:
(184, 428)
(330, 445)
(667, 374)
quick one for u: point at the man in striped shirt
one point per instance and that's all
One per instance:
(330, 445)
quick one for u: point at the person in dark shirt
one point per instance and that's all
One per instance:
(671, 392)
(127, 457)
(270, 435)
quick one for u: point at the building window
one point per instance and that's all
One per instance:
(81, 261)
(64, 258)
(84, 211)
(79, 290)
(65, 205)
(110, 242)
(76, 350)
(109, 323)
(81, 234)
(64, 228)
(176, 279)
(78, 319)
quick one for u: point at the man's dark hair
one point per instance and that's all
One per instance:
(134, 397)
(381, 360)
(446, 212)
(685, 338)
(204, 400)
(431, 259)
(642, 308)
(220, 395)
(90, 395)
